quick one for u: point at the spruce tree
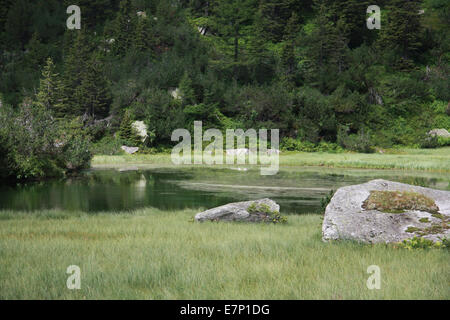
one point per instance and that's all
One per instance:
(327, 43)
(124, 28)
(187, 90)
(37, 52)
(127, 132)
(275, 14)
(75, 65)
(288, 60)
(403, 29)
(230, 17)
(50, 94)
(93, 95)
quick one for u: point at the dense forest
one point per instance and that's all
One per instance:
(311, 68)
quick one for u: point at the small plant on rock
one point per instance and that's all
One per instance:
(270, 215)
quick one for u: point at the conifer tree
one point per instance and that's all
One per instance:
(231, 16)
(37, 52)
(287, 54)
(127, 132)
(274, 14)
(92, 95)
(124, 28)
(75, 65)
(50, 94)
(327, 43)
(144, 37)
(403, 29)
(187, 90)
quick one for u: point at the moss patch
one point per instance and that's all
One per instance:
(424, 220)
(438, 216)
(399, 202)
(264, 209)
(413, 229)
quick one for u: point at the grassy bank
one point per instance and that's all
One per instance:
(151, 254)
(409, 159)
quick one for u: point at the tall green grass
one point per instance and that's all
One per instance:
(152, 254)
(407, 159)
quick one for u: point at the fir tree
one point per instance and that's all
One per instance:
(37, 52)
(143, 38)
(93, 95)
(327, 43)
(187, 90)
(50, 94)
(75, 66)
(288, 60)
(403, 29)
(127, 132)
(124, 27)
(231, 16)
(274, 14)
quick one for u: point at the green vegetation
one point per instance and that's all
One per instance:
(421, 243)
(271, 216)
(151, 254)
(399, 201)
(435, 228)
(407, 159)
(309, 68)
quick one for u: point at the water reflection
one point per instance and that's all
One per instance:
(298, 190)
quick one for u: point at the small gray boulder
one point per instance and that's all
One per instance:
(246, 211)
(443, 133)
(130, 150)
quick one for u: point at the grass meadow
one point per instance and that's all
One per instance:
(152, 254)
(408, 159)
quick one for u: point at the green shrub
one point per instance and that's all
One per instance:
(290, 144)
(108, 145)
(434, 142)
(359, 142)
(76, 146)
(421, 243)
(325, 201)
(35, 146)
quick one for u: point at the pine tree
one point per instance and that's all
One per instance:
(124, 27)
(37, 52)
(127, 132)
(288, 60)
(275, 13)
(327, 43)
(75, 65)
(403, 29)
(187, 90)
(261, 60)
(230, 17)
(93, 95)
(50, 94)
(143, 38)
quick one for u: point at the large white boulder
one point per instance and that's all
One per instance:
(347, 219)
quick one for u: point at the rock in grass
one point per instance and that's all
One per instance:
(439, 133)
(382, 211)
(130, 150)
(263, 210)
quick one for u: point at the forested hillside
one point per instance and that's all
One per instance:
(310, 68)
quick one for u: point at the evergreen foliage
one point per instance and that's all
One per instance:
(310, 68)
